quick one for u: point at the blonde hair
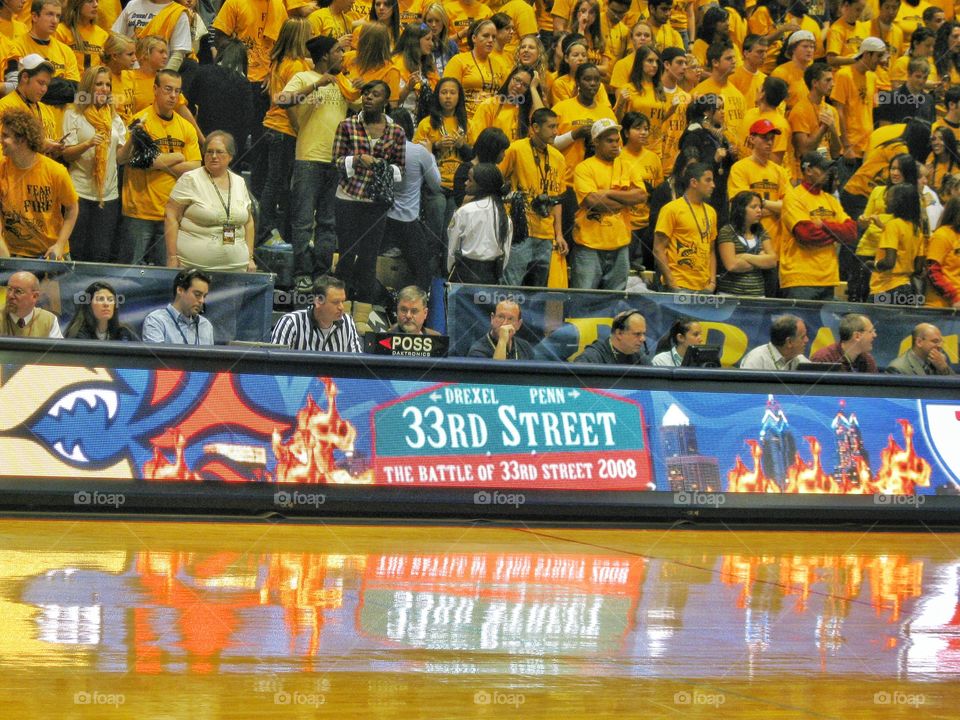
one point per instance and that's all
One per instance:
(147, 44)
(291, 42)
(116, 44)
(71, 20)
(373, 47)
(84, 97)
(437, 8)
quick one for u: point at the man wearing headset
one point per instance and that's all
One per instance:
(180, 322)
(626, 344)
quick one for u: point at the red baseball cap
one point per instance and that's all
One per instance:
(763, 127)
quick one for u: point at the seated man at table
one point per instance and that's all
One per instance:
(411, 312)
(788, 340)
(501, 342)
(926, 355)
(180, 322)
(626, 345)
(853, 351)
(23, 318)
(323, 327)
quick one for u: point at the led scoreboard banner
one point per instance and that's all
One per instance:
(246, 432)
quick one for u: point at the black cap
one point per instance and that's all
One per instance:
(814, 159)
(320, 46)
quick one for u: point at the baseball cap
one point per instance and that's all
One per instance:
(799, 36)
(35, 61)
(814, 159)
(764, 127)
(601, 126)
(872, 44)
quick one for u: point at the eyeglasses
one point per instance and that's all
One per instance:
(170, 90)
(216, 153)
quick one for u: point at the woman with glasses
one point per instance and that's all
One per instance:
(98, 317)
(208, 223)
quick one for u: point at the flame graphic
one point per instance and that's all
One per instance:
(901, 472)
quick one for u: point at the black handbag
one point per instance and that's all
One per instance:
(381, 184)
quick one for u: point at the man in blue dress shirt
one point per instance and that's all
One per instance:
(180, 322)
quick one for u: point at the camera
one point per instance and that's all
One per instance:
(543, 204)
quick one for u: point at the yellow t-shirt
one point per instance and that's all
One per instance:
(11, 29)
(692, 231)
(94, 37)
(326, 22)
(107, 13)
(678, 15)
(843, 39)
(571, 115)
(448, 160)
(32, 204)
(618, 45)
(802, 266)
(124, 91)
(895, 46)
(793, 76)
(593, 229)
(145, 192)
(494, 113)
(909, 17)
(734, 105)
(943, 123)
(805, 118)
(876, 161)
(646, 102)
(857, 91)
(56, 53)
(675, 125)
(620, 75)
(480, 80)
(770, 181)
(388, 73)
(410, 11)
(276, 117)
(318, 115)
(524, 22)
(876, 205)
(461, 17)
(651, 170)
(50, 120)
(781, 142)
(944, 248)
(761, 23)
(246, 20)
(565, 87)
(664, 37)
(535, 173)
(748, 83)
(903, 237)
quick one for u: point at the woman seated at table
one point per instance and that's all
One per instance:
(98, 317)
(208, 223)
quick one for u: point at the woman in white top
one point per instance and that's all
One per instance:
(673, 346)
(480, 231)
(208, 223)
(97, 140)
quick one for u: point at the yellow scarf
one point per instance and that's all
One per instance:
(163, 22)
(102, 120)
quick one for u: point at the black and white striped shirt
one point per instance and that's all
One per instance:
(299, 331)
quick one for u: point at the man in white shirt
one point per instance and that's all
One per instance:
(140, 13)
(788, 340)
(23, 318)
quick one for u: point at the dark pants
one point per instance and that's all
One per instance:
(568, 214)
(274, 199)
(141, 242)
(360, 227)
(436, 210)
(809, 292)
(858, 281)
(641, 247)
(257, 157)
(478, 272)
(411, 238)
(96, 231)
(312, 217)
(853, 205)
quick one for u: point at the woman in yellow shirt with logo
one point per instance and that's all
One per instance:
(900, 260)
(644, 94)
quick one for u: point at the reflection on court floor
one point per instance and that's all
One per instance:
(542, 608)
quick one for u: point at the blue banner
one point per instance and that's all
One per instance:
(559, 324)
(239, 304)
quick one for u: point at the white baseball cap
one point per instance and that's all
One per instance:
(601, 126)
(799, 36)
(871, 44)
(34, 60)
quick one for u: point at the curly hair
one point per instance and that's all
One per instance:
(23, 125)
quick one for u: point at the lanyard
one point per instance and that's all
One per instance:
(706, 219)
(545, 170)
(226, 206)
(483, 80)
(176, 324)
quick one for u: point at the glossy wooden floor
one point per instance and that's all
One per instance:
(197, 620)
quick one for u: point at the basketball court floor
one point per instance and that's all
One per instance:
(167, 619)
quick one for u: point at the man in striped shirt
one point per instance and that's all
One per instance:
(322, 327)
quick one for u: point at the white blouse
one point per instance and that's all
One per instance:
(78, 130)
(473, 233)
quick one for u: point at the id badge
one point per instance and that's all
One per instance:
(229, 234)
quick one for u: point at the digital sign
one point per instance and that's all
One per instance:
(160, 425)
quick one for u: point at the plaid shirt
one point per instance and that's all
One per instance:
(351, 140)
